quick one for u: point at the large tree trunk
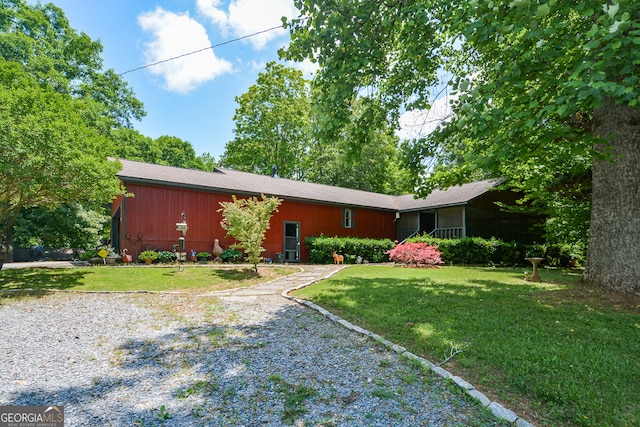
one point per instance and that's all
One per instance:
(613, 260)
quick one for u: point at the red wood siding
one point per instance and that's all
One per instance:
(149, 219)
(317, 219)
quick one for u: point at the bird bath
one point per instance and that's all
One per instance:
(535, 261)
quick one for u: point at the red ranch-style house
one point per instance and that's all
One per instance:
(162, 193)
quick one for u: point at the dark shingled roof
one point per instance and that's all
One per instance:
(453, 196)
(243, 183)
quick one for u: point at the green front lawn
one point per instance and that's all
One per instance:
(133, 278)
(554, 352)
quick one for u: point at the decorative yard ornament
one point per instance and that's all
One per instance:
(182, 227)
(217, 250)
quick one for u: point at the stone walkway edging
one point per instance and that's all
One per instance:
(496, 408)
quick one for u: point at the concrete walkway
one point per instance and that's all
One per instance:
(309, 274)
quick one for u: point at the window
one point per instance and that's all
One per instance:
(348, 218)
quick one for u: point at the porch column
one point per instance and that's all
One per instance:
(436, 223)
(464, 221)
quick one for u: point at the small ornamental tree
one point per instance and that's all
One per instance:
(418, 254)
(247, 220)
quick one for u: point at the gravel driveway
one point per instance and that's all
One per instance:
(239, 358)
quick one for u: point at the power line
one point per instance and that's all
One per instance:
(201, 50)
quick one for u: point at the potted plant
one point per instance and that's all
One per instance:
(148, 256)
(203, 256)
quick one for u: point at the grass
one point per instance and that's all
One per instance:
(132, 278)
(295, 397)
(556, 352)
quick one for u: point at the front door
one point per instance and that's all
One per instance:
(292, 242)
(427, 222)
(115, 231)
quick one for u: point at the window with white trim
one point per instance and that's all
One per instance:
(348, 218)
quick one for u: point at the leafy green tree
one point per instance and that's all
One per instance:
(70, 225)
(48, 153)
(130, 144)
(165, 150)
(247, 220)
(177, 152)
(274, 128)
(363, 157)
(207, 161)
(545, 91)
(39, 38)
(272, 124)
(57, 109)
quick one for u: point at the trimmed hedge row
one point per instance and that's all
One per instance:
(479, 251)
(470, 250)
(371, 250)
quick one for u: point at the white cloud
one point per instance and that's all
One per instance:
(244, 17)
(177, 34)
(211, 9)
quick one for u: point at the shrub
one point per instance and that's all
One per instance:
(203, 255)
(558, 254)
(476, 250)
(417, 254)
(321, 249)
(166, 256)
(231, 255)
(88, 254)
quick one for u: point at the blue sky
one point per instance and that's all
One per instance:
(192, 98)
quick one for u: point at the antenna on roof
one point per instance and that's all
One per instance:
(274, 171)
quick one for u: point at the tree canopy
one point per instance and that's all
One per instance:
(49, 154)
(70, 225)
(57, 108)
(362, 156)
(272, 124)
(40, 39)
(275, 127)
(545, 93)
(164, 150)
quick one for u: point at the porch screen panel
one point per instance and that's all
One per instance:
(450, 217)
(481, 222)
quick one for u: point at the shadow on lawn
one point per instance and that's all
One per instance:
(228, 274)
(235, 274)
(39, 279)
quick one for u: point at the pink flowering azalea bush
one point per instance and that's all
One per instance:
(418, 254)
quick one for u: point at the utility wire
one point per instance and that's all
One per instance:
(201, 50)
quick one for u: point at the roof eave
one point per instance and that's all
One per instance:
(228, 191)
